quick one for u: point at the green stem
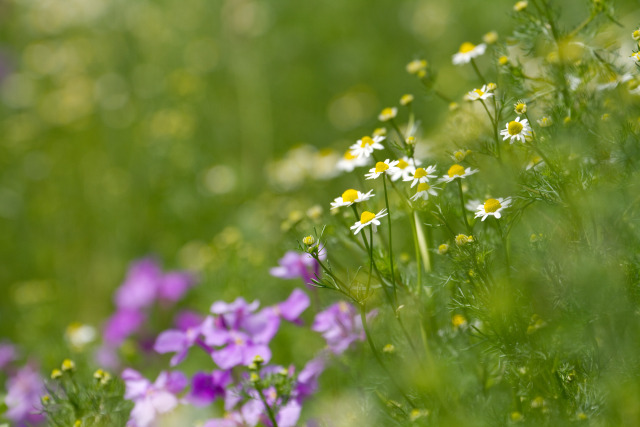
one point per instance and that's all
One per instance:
(365, 327)
(267, 407)
(464, 213)
(393, 275)
(477, 70)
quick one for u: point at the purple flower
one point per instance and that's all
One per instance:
(340, 325)
(295, 265)
(186, 319)
(174, 284)
(206, 387)
(179, 342)
(140, 287)
(307, 380)
(241, 334)
(24, 391)
(122, 324)
(151, 399)
(8, 354)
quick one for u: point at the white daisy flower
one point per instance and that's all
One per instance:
(404, 169)
(457, 171)
(482, 93)
(382, 167)
(423, 191)
(365, 146)
(467, 52)
(421, 175)
(516, 129)
(492, 207)
(387, 114)
(368, 218)
(350, 197)
(349, 162)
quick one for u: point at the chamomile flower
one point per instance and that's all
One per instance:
(636, 34)
(417, 66)
(423, 191)
(367, 218)
(349, 162)
(365, 146)
(406, 99)
(503, 60)
(492, 207)
(490, 38)
(388, 166)
(520, 6)
(635, 56)
(467, 52)
(545, 122)
(421, 175)
(520, 107)
(457, 171)
(350, 197)
(387, 114)
(404, 169)
(516, 129)
(482, 93)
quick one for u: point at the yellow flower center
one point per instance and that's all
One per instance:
(366, 217)
(491, 205)
(514, 128)
(455, 170)
(381, 167)
(388, 113)
(402, 164)
(466, 47)
(479, 92)
(420, 173)
(349, 156)
(423, 186)
(366, 140)
(349, 196)
(636, 34)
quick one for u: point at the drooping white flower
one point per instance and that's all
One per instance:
(476, 94)
(388, 167)
(492, 207)
(368, 218)
(423, 191)
(457, 171)
(350, 197)
(421, 175)
(467, 52)
(366, 145)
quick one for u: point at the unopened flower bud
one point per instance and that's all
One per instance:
(443, 249)
(55, 374)
(309, 240)
(68, 365)
(406, 99)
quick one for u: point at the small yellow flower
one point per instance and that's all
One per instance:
(458, 320)
(503, 60)
(490, 38)
(636, 35)
(545, 122)
(55, 374)
(387, 114)
(516, 416)
(46, 399)
(380, 132)
(78, 423)
(491, 86)
(443, 249)
(567, 120)
(520, 6)
(103, 377)
(460, 155)
(605, 117)
(309, 240)
(538, 402)
(254, 377)
(406, 99)
(411, 140)
(463, 239)
(520, 107)
(416, 66)
(68, 365)
(389, 348)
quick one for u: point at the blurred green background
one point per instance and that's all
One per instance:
(140, 127)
